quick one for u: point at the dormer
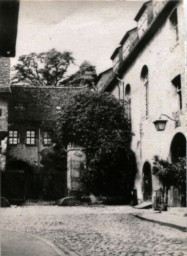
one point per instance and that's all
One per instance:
(116, 58)
(144, 18)
(157, 6)
(128, 42)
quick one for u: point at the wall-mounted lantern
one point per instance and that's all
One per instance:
(160, 124)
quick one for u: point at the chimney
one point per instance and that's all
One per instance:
(4, 71)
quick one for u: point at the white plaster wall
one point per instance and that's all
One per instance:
(164, 57)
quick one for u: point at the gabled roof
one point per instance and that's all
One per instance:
(105, 71)
(36, 103)
(127, 35)
(142, 9)
(115, 52)
(4, 89)
(104, 78)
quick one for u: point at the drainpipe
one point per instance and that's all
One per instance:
(123, 95)
(141, 135)
(39, 136)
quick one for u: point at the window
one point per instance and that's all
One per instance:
(174, 23)
(128, 101)
(13, 137)
(46, 139)
(20, 106)
(177, 83)
(30, 137)
(144, 76)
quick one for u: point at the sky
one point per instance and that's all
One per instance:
(91, 30)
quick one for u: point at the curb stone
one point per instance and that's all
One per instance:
(183, 229)
(61, 252)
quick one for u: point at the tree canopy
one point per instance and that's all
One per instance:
(96, 122)
(50, 69)
(85, 76)
(170, 174)
(43, 69)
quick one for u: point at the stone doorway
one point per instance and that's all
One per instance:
(147, 182)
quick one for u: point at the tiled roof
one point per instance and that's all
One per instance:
(36, 103)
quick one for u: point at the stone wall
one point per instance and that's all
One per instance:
(4, 94)
(76, 159)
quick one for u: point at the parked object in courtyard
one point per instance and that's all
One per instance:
(68, 201)
(4, 202)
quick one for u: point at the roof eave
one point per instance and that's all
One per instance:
(162, 16)
(139, 14)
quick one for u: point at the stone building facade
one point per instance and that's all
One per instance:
(4, 94)
(33, 112)
(149, 76)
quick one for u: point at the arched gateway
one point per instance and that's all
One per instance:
(177, 150)
(178, 147)
(147, 182)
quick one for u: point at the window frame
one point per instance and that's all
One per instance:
(13, 139)
(174, 27)
(177, 85)
(30, 136)
(47, 138)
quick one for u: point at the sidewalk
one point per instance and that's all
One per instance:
(22, 244)
(174, 217)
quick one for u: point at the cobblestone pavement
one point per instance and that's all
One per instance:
(96, 231)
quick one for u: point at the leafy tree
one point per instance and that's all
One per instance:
(43, 69)
(85, 76)
(170, 175)
(96, 122)
(54, 160)
(180, 177)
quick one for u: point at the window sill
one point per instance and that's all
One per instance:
(28, 145)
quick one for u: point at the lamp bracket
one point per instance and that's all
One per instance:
(175, 120)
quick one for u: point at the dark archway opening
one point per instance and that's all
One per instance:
(177, 195)
(147, 182)
(178, 147)
(18, 181)
(144, 72)
(128, 101)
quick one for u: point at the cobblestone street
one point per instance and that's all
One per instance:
(96, 231)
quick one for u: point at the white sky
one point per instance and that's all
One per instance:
(91, 30)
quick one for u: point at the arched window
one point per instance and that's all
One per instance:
(177, 84)
(128, 100)
(178, 147)
(174, 23)
(145, 79)
(147, 182)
